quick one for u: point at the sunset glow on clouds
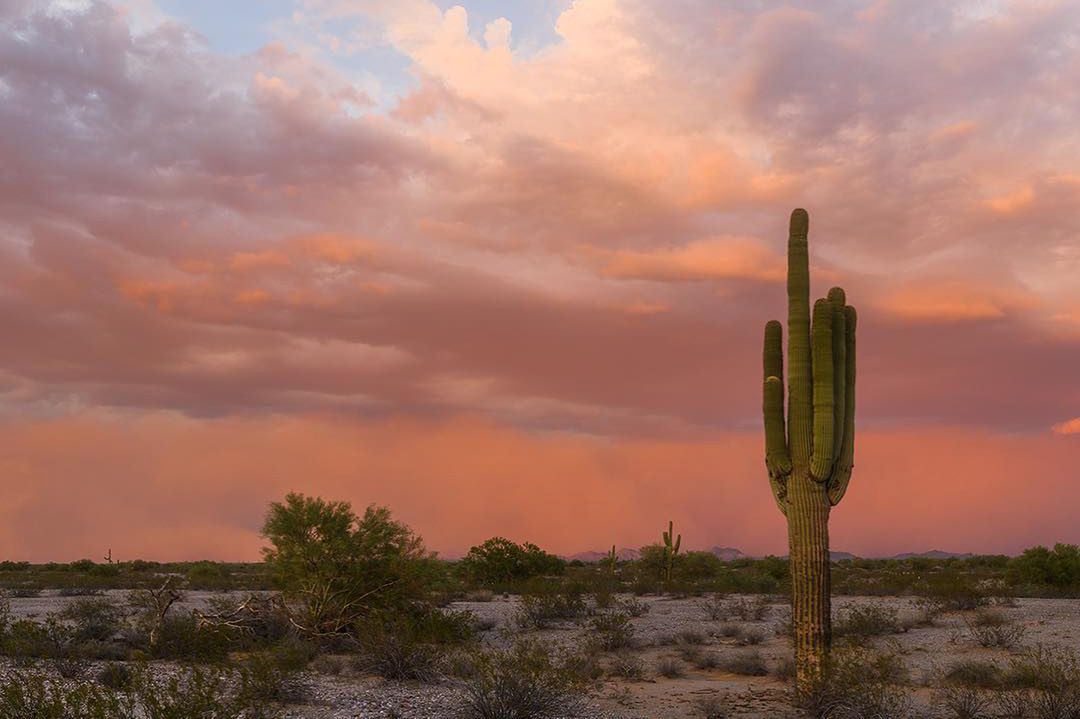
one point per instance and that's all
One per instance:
(508, 275)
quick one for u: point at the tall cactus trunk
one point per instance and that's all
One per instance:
(808, 545)
(810, 459)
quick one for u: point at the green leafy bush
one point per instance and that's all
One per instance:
(499, 562)
(339, 566)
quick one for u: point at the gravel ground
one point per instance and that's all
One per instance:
(926, 652)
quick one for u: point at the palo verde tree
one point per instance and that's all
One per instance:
(335, 567)
(810, 460)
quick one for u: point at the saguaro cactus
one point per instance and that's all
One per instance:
(612, 560)
(810, 463)
(671, 548)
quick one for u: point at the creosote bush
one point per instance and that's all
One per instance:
(747, 663)
(530, 681)
(857, 684)
(859, 623)
(192, 693)
(611, 631)
(547, 606)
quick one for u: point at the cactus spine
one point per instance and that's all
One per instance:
(810, 463)
(671, 548)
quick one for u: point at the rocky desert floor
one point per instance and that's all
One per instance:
(669, 640)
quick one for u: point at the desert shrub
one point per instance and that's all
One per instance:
(1014, 703)
(731, 631)
(927, 612)
(339, 566)
(498, 562)
(713, 707)
(34, 697)
(397, 647)
(116, 676)
(690, 637)
(694, 567)
(974, 673)
(631, 607)
(543, 608)
(1007, 636)
(747, 609)
(671, 668)
(526, 682)
(706, 660)
(92, 618)
(608, 632)
(627, 665)
(1044, 668)
(715, 607)
(747, 663)
(992, 629)
(269, 677)
(52, 641)
(863, 622)
(962, 702)
(690, 653)
(182, 638)
(1057, 568)
(485, 624)
(205, 693)
(951, 592)
(857, 684)
(752, 637)
(328, 664)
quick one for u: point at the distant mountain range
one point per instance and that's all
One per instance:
(728, 554)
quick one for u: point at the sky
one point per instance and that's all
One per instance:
(504, 267)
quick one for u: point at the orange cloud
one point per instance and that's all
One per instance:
(711, 259)
(950, 302)
(1013, 202)
(1071, 426)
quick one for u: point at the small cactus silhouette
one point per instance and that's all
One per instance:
(810, 464)
(671, 549)
(612, 559)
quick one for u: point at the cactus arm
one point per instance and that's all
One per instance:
(824, 397)
(777, 459)
(839, 344)
(777, 456)
(846, 460)
(678, 543)
(800, 408)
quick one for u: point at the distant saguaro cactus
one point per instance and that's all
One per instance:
(810, 464)
(671, 548)
(612, 560)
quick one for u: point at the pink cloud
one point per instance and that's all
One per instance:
(204, 486)
(219, 237)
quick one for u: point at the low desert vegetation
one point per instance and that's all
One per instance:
(351, 594)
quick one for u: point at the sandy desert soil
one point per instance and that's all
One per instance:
(925, 651)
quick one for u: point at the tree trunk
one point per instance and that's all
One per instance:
(808, 545)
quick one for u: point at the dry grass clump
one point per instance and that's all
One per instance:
(858, 684)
